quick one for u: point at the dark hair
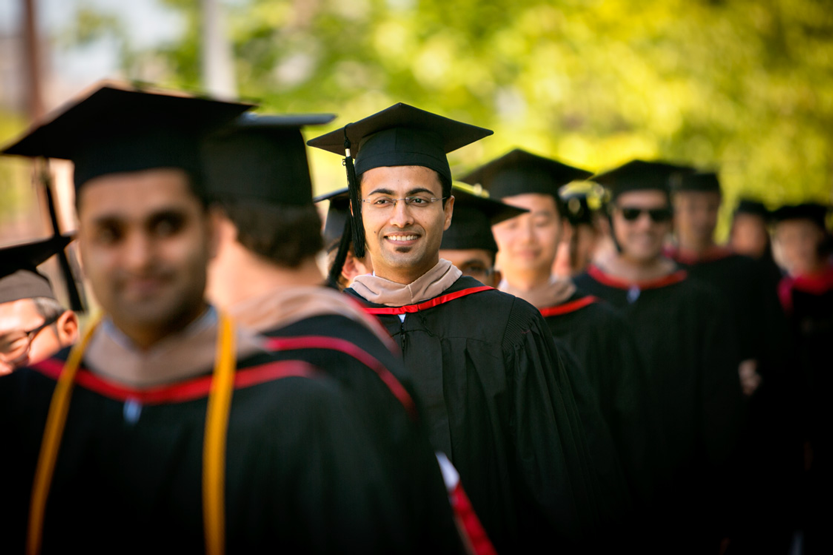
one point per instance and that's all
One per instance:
(286, 235)
(47, 308)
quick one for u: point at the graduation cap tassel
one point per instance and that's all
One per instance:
(355, 198)
(341, 255)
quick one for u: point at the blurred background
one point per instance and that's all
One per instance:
(744, 86)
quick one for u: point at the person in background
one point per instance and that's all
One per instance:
(33, 324)
(587, 236)
(338, 213)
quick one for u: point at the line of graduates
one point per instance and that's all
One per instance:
(520, 361)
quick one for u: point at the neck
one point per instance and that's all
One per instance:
(236, 274)
(405, 275)
(145, 337)
(526, 281)
(634, 270)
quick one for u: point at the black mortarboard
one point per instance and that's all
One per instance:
(638, 175)
(702, 182)
(753, 207)
(472, 221)
(816, 213)
(400, 135)
(119, 129)
(520, 172)
(337, 214)
(261, 158)
(19, 277)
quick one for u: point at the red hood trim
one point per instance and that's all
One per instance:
(606, 279)
(571, 306)
(442, 299)
(710, 255)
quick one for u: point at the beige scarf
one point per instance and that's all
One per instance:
(177, 357)
(286, 305)
(552, 294)
(389, 293)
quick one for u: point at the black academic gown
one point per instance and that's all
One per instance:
(384, 399)
(500, 403)
(606, 351)
(770, 450)
(300, 476)
(690, 355)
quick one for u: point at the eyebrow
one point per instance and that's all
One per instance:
(411, 192)
(153, 218)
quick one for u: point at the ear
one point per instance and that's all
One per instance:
(497, 277)
(67, 326)
(449, 210)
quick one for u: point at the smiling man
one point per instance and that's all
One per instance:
(130, 442)
(498, 401)
(33, 324)
(687, 346)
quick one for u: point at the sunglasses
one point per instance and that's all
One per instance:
(657, 215)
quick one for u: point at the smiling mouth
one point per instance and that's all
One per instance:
(402, 238)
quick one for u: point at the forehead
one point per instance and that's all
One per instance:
(400, 179)
(646, 198)
(697, 197)
(17, 315)
(534, 202)
(797, 226)
(134, 195)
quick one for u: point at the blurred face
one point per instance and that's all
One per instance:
(476, 263)
(641, 221)
(145, 240)
(24, 339)
(695, 216)
(403, 238)
(529, 243)
(749, 235)
(797, 243)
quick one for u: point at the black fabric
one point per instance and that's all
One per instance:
(502, 404)
(400, 435)
(301, 474)
(639, 175)
(703, 182)
(261, 158)
(337, 213)
(19, 278)
(690, 355)
(115, 130)
(472, 221)
(813, 212)
(754, 207)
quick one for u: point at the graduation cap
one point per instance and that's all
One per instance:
(400, 135)
(701, 182)
(121, 129)
(19, 277)
(338, 214)
(639, 175)
(816, 213)
(752, 207)
(581, 199)
(520, 172)
(472, 221)
(261, 158)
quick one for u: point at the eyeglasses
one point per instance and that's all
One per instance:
(385, 203)
(14, 345)
(657, 215)
(478, 272)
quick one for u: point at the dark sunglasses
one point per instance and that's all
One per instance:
(657, 215)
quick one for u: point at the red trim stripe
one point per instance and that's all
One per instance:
(597, 274)
(352, 350)
(412, 308)
(180, 392)
(568, 307)
(687, 257)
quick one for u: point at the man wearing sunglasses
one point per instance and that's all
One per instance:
(33, 324)
(688, 349)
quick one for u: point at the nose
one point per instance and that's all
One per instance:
(401, 215)
(138, 251)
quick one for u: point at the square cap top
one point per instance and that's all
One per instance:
(337, 214)
(261, 158)
(638, 175)
(472, 221)
(702, 182)
(520, 172)
(814, 212)
(122, 129)
(401, 135)
(19, 278)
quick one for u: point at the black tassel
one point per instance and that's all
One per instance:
(355, 199)
(341, 255)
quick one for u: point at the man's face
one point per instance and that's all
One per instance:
(529, 242)
(749, 235)
(145, 240)
(403, 241)
(17, 318)
(641, 239)
(695, 215)
(797, 245)
(476, 263)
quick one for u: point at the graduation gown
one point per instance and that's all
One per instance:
(301, 475)
(690, 357)
(500, 403)
(606, 352)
